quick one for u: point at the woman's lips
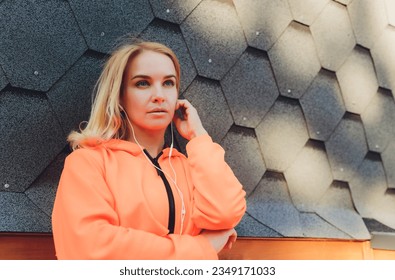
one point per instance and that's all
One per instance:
(158, 111)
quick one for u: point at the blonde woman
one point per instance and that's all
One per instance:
(124, 193)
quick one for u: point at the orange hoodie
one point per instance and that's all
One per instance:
(111, 203)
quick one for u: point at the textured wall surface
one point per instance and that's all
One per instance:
(300, 94)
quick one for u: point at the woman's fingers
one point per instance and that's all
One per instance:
(189, 124)
(232, 239)
(221, 239)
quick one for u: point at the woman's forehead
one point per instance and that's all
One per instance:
(151, 62)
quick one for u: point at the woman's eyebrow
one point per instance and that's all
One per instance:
(148, 77)
(140, 77)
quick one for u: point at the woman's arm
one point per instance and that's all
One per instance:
(219, 199)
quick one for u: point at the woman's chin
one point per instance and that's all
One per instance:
(157, 125)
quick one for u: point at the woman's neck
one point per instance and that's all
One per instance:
(153, 141)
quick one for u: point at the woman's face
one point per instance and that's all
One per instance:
(149, 91)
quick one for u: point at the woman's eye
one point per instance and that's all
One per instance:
(168, 83)
(142, 83)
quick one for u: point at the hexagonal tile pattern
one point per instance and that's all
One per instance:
(345, 2)
(294, 60)
(30, 57)
(271, 205)
(371, 177)
(243, 155)
(390, 9)
(282, 134)
(379, 120)
(43, 190)
(249, 226)
(323, 105)
(215, 114)
(75, 106)
(346, 147)
(388, 158)
(314, 226)
(262, 29)
(173, 10)
(250, 88)
(104, 22)
(170, 35)
(3, 79)
(357, 80)
(368, 192)
(368, 18)
(207, 44)
(383, 57)
(375, 226)
(19, 214)
(334, 39)
(386, 209)
(33, 131)
(308, 182)
(337, 208)
(307, 11)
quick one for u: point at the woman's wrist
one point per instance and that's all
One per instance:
(198, 132)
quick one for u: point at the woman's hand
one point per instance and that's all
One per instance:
(221, 239)
(189, 125)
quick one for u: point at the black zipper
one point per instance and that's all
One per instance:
(170, 196)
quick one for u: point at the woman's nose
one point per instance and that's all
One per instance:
(158, 94)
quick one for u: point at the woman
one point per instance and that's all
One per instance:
(123, 194)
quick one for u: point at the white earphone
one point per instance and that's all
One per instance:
(174, 180)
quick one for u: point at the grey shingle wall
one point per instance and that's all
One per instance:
(303, 104)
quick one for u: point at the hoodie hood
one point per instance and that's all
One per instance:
(126, 146)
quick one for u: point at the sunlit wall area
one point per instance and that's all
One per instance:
(299, 93)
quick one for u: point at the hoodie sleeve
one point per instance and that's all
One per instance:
(86, 226)
(219, 198)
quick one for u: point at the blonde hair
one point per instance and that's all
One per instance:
(106, 121)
